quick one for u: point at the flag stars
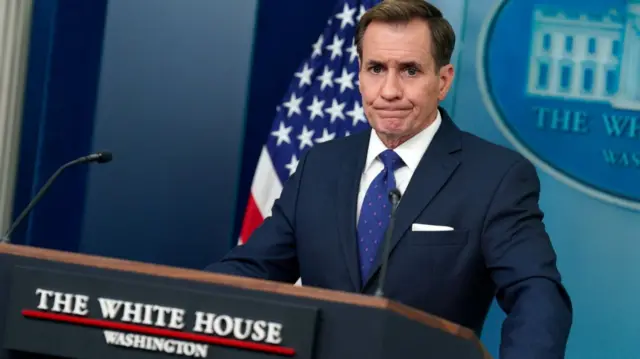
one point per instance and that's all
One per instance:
(326, 136)
(346, 16)
(345, 80)
(316, 108)
(326, 78)
(317, 47)
(357, 114)
(282, 134)
(336, 110)
(292, 165)
(305, 137)
(335, 47)
(293, 105)
(352, 51)
(304, 75)
(361, 13)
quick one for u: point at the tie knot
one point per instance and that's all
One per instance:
(391, 160)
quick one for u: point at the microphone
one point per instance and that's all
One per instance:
(99, 157)
(394, 198)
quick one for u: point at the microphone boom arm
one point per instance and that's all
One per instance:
(100, 157)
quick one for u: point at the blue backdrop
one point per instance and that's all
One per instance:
(185, 107)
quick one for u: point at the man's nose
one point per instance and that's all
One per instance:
(391, 88)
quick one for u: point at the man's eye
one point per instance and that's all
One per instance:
(412, 71)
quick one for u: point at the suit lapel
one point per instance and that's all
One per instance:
(434, 170)
(347, 201)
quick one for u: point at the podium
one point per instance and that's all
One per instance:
(68, 305)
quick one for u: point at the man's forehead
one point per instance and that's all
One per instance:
(396, 55)
(417, 29)
(383, 36)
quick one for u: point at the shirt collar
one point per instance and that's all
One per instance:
(410, 151)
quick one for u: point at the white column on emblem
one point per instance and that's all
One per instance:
(15, 21)
(557, 51)
(628, 96)
(580, 44)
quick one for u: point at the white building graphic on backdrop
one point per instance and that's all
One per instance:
(585, 57)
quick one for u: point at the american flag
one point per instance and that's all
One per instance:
(321, 104)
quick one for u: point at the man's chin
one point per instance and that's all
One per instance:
(392, 125)
(391, 131)
(392, 135)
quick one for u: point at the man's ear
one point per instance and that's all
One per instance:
(446, 74)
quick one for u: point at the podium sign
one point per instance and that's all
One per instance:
(69, 305)
(64, 314)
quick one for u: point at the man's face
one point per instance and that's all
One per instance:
(399, 83)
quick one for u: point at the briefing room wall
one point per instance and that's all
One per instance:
(171, 107)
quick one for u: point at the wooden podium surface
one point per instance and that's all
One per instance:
(24, 256)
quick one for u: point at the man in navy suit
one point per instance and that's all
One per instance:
(468, 227)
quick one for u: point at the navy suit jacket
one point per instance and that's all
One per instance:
(498, 248)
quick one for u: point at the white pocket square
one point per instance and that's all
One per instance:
(419, 227)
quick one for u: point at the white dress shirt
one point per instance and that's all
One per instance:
(410, 151)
